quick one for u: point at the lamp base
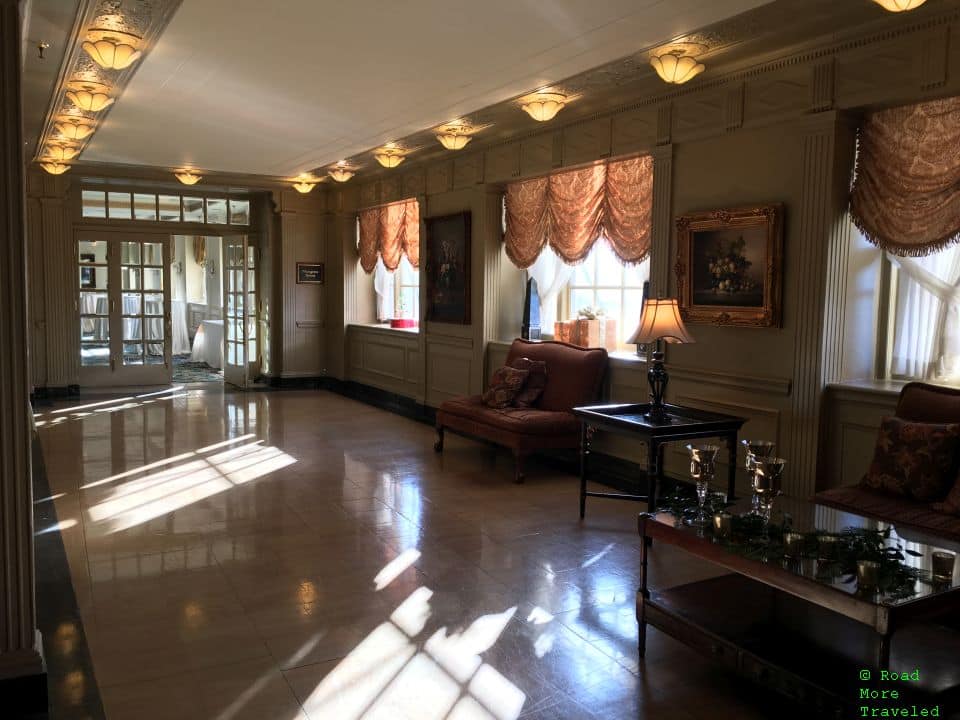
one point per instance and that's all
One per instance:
(658, 378)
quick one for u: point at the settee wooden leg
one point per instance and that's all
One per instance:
(438, 445)
(518, 466)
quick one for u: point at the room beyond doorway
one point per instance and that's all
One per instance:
(197, 308)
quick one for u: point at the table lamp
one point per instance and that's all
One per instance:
(660, 320)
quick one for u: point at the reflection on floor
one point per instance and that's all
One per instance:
(299, 555)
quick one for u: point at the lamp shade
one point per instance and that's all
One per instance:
(389, 158)
(112, 49)
(676, 69)
(55, 168)
(188, 177)
(661, 319)
(57, 152)
(303, 187)
(899, 5)
(453, 140)
(340, 173)
(544, 106)
(73, 130)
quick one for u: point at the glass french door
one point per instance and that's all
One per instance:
(124, 308)
(240, 356)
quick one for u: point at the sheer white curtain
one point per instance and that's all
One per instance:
(552, 275)
(927, 338)
(383, 281)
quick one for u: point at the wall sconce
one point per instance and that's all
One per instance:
(188, 177)
(89, 96)
(899, 5)
(677, 63)
(55, 168)
(389, 155)
(543, 106)
(211, 267)
(112, 49)
(454, 136)
(341, 172)
(177, 267)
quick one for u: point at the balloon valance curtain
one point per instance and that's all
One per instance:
(388, 232)
(906, 193)
(570, 210)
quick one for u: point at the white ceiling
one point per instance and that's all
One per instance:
(279, 88)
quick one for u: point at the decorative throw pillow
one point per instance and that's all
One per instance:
(952, 502)
(914, 459)
(536, 382)
(504, 386)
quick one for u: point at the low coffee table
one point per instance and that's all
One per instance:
(794, 625)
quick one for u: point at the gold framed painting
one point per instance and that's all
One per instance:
(730, 266)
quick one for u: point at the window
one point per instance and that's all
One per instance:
(125, 205)
(924, 302)
(398, 292)
(601, 281)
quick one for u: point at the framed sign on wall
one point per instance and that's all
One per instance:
(448, 268)
(309, 273)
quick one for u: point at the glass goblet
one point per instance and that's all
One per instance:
(703, 460)
(755, 449)
(768, 483)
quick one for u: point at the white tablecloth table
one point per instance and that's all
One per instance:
(208, 343)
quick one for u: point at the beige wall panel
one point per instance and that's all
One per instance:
(369, 194)
(390, 189)
(440, 177)
(449, 372)
(536, 154)
(852, 418)
(467, 170)
(386, 359)
(634, 131)
(413, 370)
(699, 115)
(889, 71)
(773, 96)
(382, 358)
(414, 183)
(586, 141)
(502, 162)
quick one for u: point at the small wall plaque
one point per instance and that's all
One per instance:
(309, 273)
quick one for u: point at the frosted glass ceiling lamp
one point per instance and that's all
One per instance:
(304, 184)
(677, 64)
(389, 155)
(112, 49)
(72, 129)
(899, 5)
(454, 136)
(55, 168)
(544, 106)
(89, 96)
(188, 177)
(59, 153)
(340, 172)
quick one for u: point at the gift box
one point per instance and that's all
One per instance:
(588, 332)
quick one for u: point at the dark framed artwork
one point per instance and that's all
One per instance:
(309, 273)
(730, 266)
(448, 268)
(88, 278)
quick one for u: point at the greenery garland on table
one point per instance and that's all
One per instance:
(751, 539)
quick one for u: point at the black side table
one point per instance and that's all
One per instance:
(680, 423)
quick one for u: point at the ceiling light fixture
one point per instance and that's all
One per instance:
(55, 168)
(304, 183)
(543, 106)
(112, 49)
(899, 5)
(678, 63)
(188, 177)
(454, 136)
(389, 155)
(60, 152)
(89, 96)
(341, 172)
(70, 128)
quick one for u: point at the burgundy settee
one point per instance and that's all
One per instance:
(918, 402)
(574, 377)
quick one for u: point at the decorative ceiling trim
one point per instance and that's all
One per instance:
(144, 19)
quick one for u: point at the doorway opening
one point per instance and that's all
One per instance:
(196, 306)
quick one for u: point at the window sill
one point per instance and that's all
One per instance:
(882, 388)
(385, 327)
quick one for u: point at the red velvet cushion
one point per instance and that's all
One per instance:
(536, 381)
(914, 459)
(504, 386)
(575, 373)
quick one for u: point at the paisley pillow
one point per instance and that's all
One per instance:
(536, 382)
(916, 460)
(507, 382)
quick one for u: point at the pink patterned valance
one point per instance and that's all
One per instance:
(906, 194)
(569, 210)
(389, 231)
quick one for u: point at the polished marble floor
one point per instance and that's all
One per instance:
(297, 554)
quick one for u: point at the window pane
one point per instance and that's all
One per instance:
(636, 275)
(132, 329)
(93, 303)
(93, 204)
(154, 355)
(132, 304)
(217, 211)
(633, 301)
(130, 278)
(130, 253)
(192, 209)
(153, 304)
(239, 212)
(93, 278)
(584, 273)
(153, 278)
(154, 328)
(92, 252)
(609, 266)
(119, 204)
(153, 254)
(580, 299)
(132, 354)
(169, 207)
(144, 206)
(94, 328)
(93, 354)
(609, 300)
